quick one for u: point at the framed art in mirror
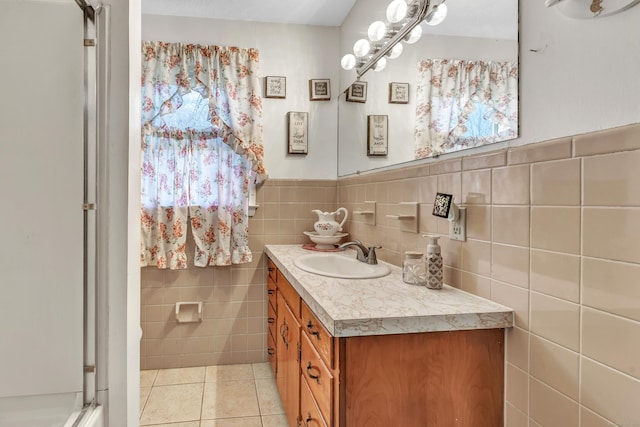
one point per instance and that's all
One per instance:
(275, 87)
(398, 93)
(297, 132)
(319, 89)
(357, 92)
(377, 135)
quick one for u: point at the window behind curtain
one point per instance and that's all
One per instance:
(201, 139)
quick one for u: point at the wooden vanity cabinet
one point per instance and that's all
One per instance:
(284, 307)
(271, 315)
(431, 379)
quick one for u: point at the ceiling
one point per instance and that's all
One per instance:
(310, 12)
(471, 18)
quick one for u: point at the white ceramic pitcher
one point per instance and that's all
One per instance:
(326, 225)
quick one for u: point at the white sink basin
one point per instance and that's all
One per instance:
(341, 266)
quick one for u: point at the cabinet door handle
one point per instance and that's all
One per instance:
(313, 376)
(271, 292)
(270, 351)
(271, 269)
(312, 330)
(271, 320)
(284, 330)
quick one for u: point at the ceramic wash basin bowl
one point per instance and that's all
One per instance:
(340, 266)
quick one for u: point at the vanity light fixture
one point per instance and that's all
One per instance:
(437, 15)
(584, 9)
(404, 18)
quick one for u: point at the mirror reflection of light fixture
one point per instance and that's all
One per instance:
(414, 35)
(404, 19)
(380, 65)
(396, 51)
(348, 62)
(437, 15)
(361, 48)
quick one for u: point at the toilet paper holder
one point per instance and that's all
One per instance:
(189, 312)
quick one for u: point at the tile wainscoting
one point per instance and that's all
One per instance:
(553, 231)
(235, 302)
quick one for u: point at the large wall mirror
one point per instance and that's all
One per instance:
(477, 43)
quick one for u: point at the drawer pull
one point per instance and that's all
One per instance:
(310, 368)
(312, 330)
(270, 351)
(310, 421)
(271, 320)
(271, 292)
(271, 269)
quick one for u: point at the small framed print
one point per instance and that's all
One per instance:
(275, 87)
(297, 132)
(398, 93)
(377, 135)
(357, 92)
(320, 89)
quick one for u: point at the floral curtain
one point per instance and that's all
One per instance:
(464, 104)
(198, 170)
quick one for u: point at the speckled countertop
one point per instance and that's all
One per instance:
(386, 305)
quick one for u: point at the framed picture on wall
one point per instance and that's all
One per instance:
(320, 89)
(275, 87)
(297, 132)
(377, 135)
(357, 92)
(398, 93)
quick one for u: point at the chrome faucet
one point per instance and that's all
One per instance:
(364, 254)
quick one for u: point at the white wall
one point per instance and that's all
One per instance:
(118, 208)
(584, 76)
(298, 52)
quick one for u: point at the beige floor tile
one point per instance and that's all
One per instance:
(227, 399)
(148, 377)
(229, 373)
(274, 421)
(262, 370)
(233, 422)
(173, 404)
(144, 395)
(180, 376)
(268, 397)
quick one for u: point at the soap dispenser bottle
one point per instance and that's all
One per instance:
(434, 265)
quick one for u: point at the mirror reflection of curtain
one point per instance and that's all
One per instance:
(201, 141)
(463, 104)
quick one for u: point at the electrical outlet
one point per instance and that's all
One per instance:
(458, 227)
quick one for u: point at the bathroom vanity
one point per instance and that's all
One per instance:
(379, 353)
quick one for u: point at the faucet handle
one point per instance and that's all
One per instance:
(371, 256)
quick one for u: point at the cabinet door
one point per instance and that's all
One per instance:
(287, 353)
(309, 412)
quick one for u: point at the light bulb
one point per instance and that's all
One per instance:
(382, 62)
(414, 35)
(396, 51)
(377, 30)
(396, 11)
(348, 62)
(437, 14)
(361, 48)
